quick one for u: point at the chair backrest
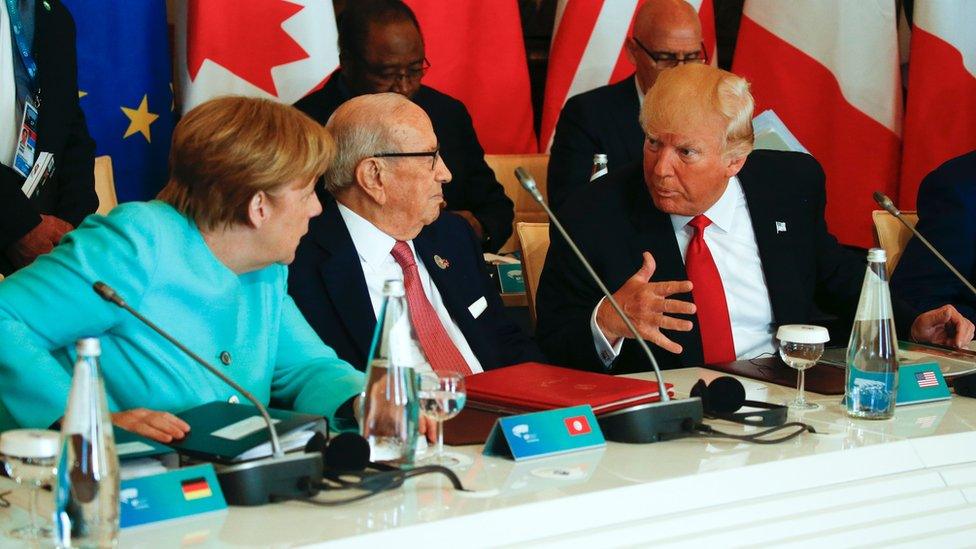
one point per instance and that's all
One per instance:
(534, 240)
(105, 185)
(526, 209)
(891, 235)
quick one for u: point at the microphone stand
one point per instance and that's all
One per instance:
(643, 423)
(889, 206)
(254, 482)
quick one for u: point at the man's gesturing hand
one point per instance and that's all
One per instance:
(647, 305)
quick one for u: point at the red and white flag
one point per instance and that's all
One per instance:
(278, 49)
(588, 51)
(477, 55)
(940, 116)
(577, 425)
(830, 71)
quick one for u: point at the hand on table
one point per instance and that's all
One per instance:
(160, 426)
(943, 326)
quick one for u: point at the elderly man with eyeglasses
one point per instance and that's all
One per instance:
(605, 120)
(381, 49)
(382, 221)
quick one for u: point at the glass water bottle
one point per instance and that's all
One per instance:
(391, 409)
(87, 484)
(872, 353)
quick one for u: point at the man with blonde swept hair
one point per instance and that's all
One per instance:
(710, 247)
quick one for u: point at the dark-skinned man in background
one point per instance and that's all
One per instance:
(381, 49)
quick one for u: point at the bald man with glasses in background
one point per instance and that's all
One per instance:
(381, 49)
(604, 120)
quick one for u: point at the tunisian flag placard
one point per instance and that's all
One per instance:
(477, 55)
(587, 50)
(940, 117)
(278, 49)
(830, 71)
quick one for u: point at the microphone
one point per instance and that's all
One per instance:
(662, 418)
(889, 206)
(253, 482)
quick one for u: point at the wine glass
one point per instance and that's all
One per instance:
(800, 347)
(29, 457)
(442, 397)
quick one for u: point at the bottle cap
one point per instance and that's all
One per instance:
(88, 346)
(30, 443)
(877, 255)
(393, 288)
(599, 158)
(802, 333)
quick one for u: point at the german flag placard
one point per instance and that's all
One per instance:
(196, 488)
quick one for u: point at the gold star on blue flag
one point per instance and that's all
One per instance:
(124, 68)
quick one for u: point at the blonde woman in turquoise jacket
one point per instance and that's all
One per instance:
(207, 262)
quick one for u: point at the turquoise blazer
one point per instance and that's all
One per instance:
(157, 260)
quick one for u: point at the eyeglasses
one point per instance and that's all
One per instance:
(434, 155)
(668, 59)
(386, 77)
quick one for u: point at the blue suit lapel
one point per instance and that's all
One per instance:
(343, 277)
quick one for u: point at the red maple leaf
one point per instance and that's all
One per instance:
(245, 38)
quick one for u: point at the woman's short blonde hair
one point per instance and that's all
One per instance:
(688, 95)
(228, 149)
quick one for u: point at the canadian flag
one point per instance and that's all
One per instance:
(830, 71)
(587, 50)
(279, 49)
(940, 117)
(485, 69)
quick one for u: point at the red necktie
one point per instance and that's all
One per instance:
(441, 352)
(709, 295)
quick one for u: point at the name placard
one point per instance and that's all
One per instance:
(919, 383)
(545, 433)
(174, 494)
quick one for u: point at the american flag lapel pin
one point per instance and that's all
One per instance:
(780, 227)
(441, 262)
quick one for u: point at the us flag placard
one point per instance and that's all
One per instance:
(926, 379)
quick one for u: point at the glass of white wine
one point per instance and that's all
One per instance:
(441, 397)
(30, 458)
(800, 347)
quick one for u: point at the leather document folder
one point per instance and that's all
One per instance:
(532, 387)
(822, 378)
(222, 432)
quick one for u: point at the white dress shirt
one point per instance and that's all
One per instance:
(374, 247)
(732, 243)
(9, 117)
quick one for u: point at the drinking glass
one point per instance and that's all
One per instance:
(800, 347)
(442, 397)
(29, 458)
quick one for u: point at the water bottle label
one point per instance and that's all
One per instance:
(869, 392)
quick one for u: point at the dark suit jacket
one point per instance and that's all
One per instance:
(602, 120)
(61, 131)
(947, 217)
(327, 282)
(615, 221)
(473, 186)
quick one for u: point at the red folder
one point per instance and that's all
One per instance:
(532, 387)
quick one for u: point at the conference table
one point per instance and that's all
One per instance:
(907, 481)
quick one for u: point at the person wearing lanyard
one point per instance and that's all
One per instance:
(39, 112)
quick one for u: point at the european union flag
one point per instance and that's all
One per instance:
(125, 83)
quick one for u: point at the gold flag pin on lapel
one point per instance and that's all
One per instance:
(441, 262)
